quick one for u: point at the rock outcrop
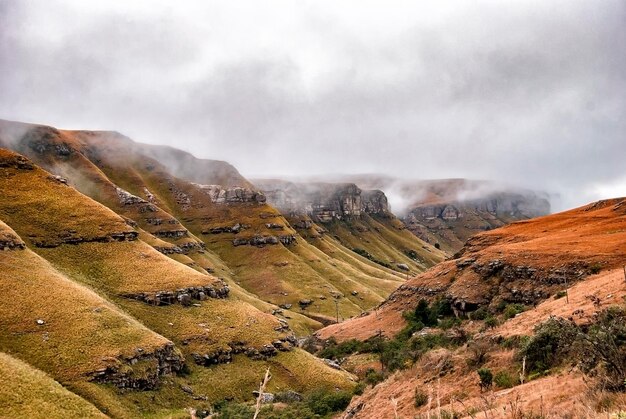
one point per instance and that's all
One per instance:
(263, 240)
(451, 223)
(9, 240)
(225, 355)
(222, 195)
(323, 202)
(73, 237)
(141, 371)
(183, 296)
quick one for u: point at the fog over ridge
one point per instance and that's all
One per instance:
(531, 94)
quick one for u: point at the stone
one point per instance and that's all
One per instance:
(331, 363)
(403, 266)
(265, 397)
(40, 322)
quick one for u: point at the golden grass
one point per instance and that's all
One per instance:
(82, 331)
(124, 267)
(49, 210)
(29, 393)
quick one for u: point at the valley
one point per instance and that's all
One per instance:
(139, 280)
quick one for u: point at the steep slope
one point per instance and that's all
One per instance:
(359, 220)
(525, 262)
(69, 331)
(88, 243)
(564, 270)
(227, 231)
(27, 392)
(448, 376)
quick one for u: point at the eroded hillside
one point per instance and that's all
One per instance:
(526, 320)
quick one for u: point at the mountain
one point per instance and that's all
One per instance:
(540, 301)
(447, 212)
(153, 286)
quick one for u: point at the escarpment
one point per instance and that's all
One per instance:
(323, 202)
(452, 222)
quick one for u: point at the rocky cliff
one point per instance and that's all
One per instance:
(447, 212)
(450, 223)
(323, 202)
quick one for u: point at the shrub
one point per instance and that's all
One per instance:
(604, 348)
(373, 377)
(421, 398)
(334, 350)
(491, 321)
(359, 389)
(486, 378)
(424, 315)
(595, 268)
(480, 314)
(513, 310)
(449, 323)
(504, 379)
(235, 411)
(324, 402)
(560, 294)
(437, 246)
(550, 345)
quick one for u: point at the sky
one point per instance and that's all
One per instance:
(531, 93)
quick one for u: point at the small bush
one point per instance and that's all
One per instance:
(437, 246)
(421, 398)
(550, 345)
(235, 411)
(486, 378)
(595, 268)
(373, 377)
(560, 294)
(480, 314)
(359, 389)
(324, 402)
(334, 350)
(515, 341)
(504, 379)
(604, 349)
(491, 322)
(513, 310)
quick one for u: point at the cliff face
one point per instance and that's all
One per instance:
(447, 212)
(451, 223)
(323, 202)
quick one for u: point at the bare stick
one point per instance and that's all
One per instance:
(522, 375)
(261, 391)
(394, 403)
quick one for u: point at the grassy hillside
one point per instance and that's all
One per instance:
(79, 241)
(27, 392)
(179, 219)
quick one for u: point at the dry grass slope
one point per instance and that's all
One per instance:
(29, 393)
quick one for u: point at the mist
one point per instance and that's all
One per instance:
(528, 94)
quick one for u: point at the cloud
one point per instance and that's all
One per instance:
(528, 94)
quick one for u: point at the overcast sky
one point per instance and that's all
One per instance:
(527, 92)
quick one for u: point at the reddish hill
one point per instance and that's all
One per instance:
(525, 262)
